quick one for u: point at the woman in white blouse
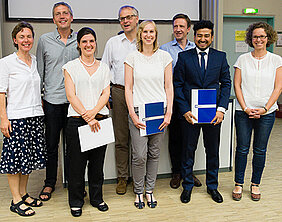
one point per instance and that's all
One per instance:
(87, 83)
(148, 79)
(21, 119)
(258, 84)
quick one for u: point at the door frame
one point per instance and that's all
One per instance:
(269, 18)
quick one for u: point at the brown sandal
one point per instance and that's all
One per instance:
(237, 196)
(255, 197)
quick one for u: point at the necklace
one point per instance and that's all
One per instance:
(88, 65)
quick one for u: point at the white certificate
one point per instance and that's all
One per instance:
(90, 140)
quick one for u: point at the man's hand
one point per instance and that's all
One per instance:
(218, 118)
(189, 117)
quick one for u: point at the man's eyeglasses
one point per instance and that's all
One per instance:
(259, 37)
(129, 17)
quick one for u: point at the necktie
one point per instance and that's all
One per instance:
(203, 68)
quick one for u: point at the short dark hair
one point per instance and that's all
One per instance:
(182, 16)
(19, 27)
(135, 11)
(82, 32)
(202, 25)
(64, 4)
(271, 34)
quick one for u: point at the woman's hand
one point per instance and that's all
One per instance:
(166, 121)
(6, 127)
(88, 115)
(94, 125)
(137, 122)
(255, 113)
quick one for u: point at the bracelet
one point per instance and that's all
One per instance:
(245, 109)
(265, 109)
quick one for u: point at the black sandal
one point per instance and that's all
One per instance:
(16, 209)
(140, 204)
(151, 204)
(34, 203)
(48, 194)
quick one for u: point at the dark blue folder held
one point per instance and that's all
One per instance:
(152, 115)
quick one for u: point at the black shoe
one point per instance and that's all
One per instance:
(215, 195)
(76, 213)
(185, 196)
(102, 207)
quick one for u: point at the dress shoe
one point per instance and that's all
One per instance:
(121, 186)
(102, 207)
(76, 213)
(175, 181)
(215, 195)
(197, 182)
(185, 196)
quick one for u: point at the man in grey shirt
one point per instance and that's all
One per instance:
(53, 51)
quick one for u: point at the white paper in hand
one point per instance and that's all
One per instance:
(90, 140)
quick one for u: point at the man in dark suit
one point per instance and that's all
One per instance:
(201, 68)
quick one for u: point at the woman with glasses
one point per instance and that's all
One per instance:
(258, 84)
(148, 79)
(21, 117)
(87, 83)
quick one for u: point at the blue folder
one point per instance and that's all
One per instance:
(152, 115)
(203, 104)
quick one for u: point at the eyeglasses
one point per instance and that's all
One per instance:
(129, 17)
(259, 37)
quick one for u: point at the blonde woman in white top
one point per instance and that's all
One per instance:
(148, 79)
(21, 119)
(258, 84)
(87, 83)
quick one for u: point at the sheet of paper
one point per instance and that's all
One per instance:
(241, 47)
(90, 140)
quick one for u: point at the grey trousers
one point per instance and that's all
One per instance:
(145, 158)
(120, 123)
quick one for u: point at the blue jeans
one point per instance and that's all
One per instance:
(262, 128)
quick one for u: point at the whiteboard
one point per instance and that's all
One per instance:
(103, 10)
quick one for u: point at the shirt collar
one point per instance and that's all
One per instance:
(175, 43)
(123, 37)
(206, 50)
(58, 36)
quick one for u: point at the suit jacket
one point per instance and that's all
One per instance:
(187, 76)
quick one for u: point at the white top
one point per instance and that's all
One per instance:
(21, 83)
(258, 77)
(116, 50)
(148, 76)
(88, 88)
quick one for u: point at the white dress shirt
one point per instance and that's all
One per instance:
(258, 77)
(221, 109)
(21, 83)
(116, 50)
(88, 88)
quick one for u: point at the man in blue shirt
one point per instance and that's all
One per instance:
(181, 28)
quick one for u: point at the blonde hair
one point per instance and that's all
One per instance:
(139, 33)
